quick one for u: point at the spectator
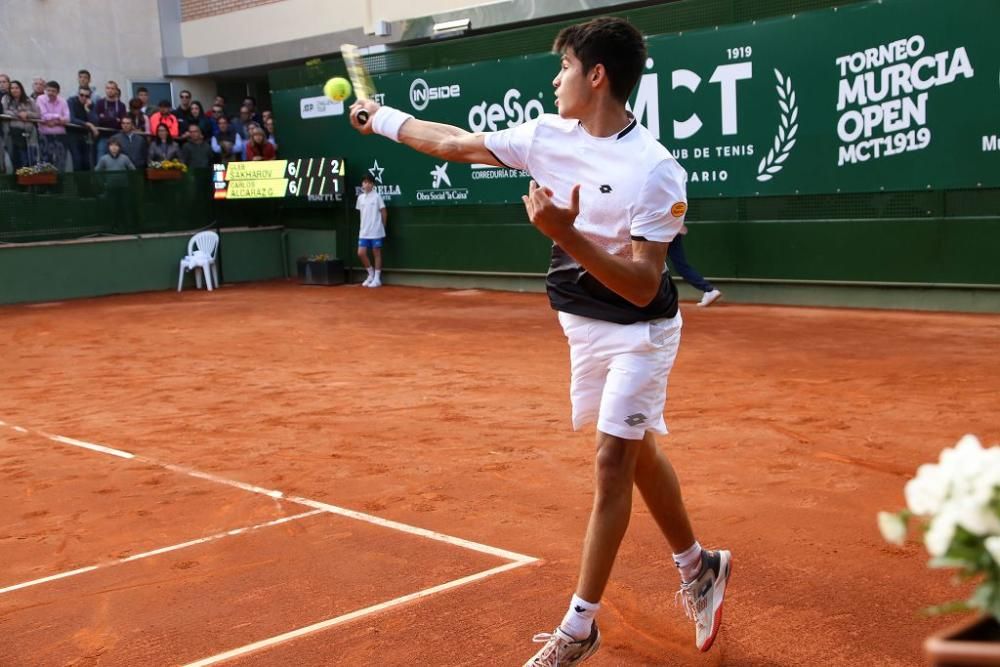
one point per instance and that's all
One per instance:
(183, 113)
(132, 143)
(37, 87)
(4, 87)
(250, 103)
(114, 160)
(81, 113)
(259, 148)
(269, 132)
(109, 111)
(242, 122)
(199, 118)
(22, 130)
(217, 113)
(196, 153)
(139, 119)
(265, 115)
(83, 81)
(54, 113)
(143, 95)
(227, 143)
(165, 117)
(218, 103)
(690, 274)
(163, 147)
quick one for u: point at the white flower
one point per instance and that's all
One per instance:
(976, 516)
(993, 546)
(892, 527)
(939, 535)
(927, 492)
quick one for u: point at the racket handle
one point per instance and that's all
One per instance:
(362, 117)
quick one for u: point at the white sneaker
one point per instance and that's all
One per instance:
(703, 597)
(375, 282)
(709, 298)
(561, 650)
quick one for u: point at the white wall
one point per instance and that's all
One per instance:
(296, 19)
(55, 38)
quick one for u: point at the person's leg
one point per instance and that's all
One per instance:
(660, 488)
(363, 256)
(377, 252)
(704, 574)
(577, 637)
(614, 475)
(679, 259)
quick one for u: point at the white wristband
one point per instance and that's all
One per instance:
(387, 122)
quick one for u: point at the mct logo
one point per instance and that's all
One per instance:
(421, 94)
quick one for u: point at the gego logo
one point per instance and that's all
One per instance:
(483, 116)
(421, 94)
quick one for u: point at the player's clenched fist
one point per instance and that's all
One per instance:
(367, 106)
(550, 219)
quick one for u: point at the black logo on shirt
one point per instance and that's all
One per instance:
(605, 189)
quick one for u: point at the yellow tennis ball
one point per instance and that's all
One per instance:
(337, 89)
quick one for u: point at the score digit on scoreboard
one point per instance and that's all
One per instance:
(312, 179)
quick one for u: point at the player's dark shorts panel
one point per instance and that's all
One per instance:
(572, 290)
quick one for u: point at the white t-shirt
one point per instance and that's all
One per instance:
(631, 188)
(370, 204)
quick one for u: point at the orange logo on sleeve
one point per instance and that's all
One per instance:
(678, 209)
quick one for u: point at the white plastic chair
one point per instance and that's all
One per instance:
(200, 255)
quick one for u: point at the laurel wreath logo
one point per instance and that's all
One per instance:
(784, 140)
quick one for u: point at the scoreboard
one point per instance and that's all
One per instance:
(313, 179)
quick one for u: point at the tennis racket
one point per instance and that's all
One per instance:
(364, 89)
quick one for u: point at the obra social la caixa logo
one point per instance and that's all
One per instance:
(726, 82)
(421, 94)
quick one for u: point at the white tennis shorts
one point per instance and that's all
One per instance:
(620, 373)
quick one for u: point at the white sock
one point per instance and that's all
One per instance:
(371, 273)
(689, 562)
(580, 617)
(378, 275)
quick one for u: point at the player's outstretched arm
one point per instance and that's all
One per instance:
(636, 279)
(447, 142)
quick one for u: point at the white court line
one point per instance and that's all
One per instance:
(44, 580)
(88, 445)
(157, 552)
(315, 504)
(329, 623)
(413, 530)
(517, 560)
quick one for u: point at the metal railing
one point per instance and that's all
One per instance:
(28, 146)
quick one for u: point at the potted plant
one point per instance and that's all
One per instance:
(42, 173)
(956, 503)
(168, 170)
(320, 269)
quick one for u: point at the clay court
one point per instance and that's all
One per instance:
(338, 476)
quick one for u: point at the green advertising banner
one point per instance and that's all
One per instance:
(891, 95)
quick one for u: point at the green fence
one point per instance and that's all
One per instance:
(922, 236)
(83, 204)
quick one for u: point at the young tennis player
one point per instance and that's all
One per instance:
(611, 198)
